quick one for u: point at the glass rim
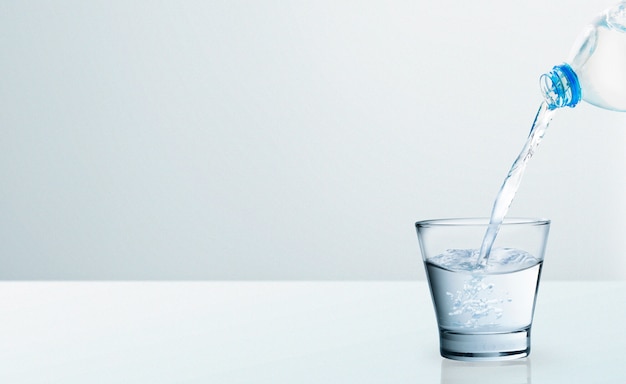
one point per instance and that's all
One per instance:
(479, 222)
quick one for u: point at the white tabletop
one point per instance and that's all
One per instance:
(288, 332)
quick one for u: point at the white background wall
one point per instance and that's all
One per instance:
(289, 140)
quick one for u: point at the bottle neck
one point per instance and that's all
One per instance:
(560, 87)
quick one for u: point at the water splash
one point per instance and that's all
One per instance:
(478, 301)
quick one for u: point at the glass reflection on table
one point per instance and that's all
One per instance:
(487, 372)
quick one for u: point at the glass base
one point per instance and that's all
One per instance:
(485, 346)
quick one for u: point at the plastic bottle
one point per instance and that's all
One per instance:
(596, 70)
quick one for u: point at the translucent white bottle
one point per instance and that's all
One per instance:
(596, 70)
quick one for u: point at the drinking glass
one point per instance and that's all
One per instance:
(484, 303)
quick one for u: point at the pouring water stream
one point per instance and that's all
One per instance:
(512, 181)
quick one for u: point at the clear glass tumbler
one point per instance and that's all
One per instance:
(484, 305)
